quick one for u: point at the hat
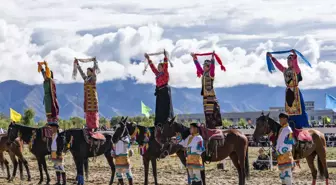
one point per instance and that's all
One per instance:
(207, 62)
(195, 125)
(283, 115)
(261, 150)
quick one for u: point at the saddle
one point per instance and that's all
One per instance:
(94, 139)
(302, 135)
(213, 138)
(211, 134)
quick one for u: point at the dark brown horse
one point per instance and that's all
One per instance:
(14, 150)
(151, 150)
(266, 125)
(235, 146)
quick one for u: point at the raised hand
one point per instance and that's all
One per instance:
(269, 54)
(146, 56)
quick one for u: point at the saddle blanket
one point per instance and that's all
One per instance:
(302, 135)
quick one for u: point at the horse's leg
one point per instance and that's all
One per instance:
(112, 166)
(4, 161)
(146, 165)
(39, 162)
(80, 171)
(153, 161)
(15, 164)
(20, 168)
(183, 160)
(241, 161)
(44, 164)
(310, 160)
(86, 168)
(322, 163)
(25, 163)
(235, 162)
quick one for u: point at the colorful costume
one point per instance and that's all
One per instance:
(122, 162)
(212, 113)
(164, 106)
(50, 97)
(294, 104)
(284, 150)
(195, 147)
(90, 94)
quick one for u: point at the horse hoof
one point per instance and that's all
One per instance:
(40, 182)
(29, 179)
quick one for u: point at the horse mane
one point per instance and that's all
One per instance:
(184, 130)
(274, 126)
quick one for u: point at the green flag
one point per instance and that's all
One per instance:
(145, 110)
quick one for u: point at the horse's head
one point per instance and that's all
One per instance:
(13, 133)
(132, 130)
(63, 142)
(120, 130)
(164, 132)
(262, 127)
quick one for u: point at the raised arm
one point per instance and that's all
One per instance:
(212, 68)
(277, 63)
(197, 64)
(81, 71)
(151, 65)
(295, 63)
(165, 65)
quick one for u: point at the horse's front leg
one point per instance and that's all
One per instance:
(146, 165)
(44, 164)
(153, 161)
(183, 160)
(112, 166)
(80, 177)
(39, 163)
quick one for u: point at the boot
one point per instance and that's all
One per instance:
(64, 178)
(196, 183)
(121, 181)
(130, 181)
(58, 177)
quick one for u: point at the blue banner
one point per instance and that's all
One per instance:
(330, 102)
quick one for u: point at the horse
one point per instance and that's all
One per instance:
(266, 125)
(234, 145)
(39, 140)
(14, 150)
(77, 142)
(150, 149)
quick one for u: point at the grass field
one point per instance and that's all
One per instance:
(171, 173)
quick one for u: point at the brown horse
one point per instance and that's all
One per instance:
(235, 146)
(266, 125)
(14, 150)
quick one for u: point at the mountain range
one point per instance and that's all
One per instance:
(123, 97)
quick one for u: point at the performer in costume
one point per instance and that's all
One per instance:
(164, 106)
(52, 112)
(284, 150)
(121, 151)
(90, 93)
(294, 104)
(195, 147)
(212, 113)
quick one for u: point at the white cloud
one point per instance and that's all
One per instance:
(240, 31)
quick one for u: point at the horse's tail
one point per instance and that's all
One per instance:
(247, 165)
(320, 166)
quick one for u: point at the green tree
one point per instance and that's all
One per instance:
(28, 117)
(227, 123)
(242, 122)
(103, 121)
(76, 122)
(326, 120)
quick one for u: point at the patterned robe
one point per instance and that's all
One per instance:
(50, 100)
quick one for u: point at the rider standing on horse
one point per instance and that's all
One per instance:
(284, 150)
(212, 113)
(121, 152)
(195, 147)
(52, 112)
(164, 106)
(294, 105)
(90, 93)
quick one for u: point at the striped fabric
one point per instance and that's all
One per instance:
(209, 104)
(122, 161)
(90, 97)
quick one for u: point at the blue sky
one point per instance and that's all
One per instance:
(240, 31)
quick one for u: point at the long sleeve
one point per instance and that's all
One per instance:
(81, 72)
(282, 147)
(43, 72)
(152, 66)
(295, 64)
(212, 68)
(200, 145)
(184, 142)
(278, 65)
(198, 66)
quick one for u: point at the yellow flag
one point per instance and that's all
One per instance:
(15, 116)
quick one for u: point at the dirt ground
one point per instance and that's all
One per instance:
(170, 172)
